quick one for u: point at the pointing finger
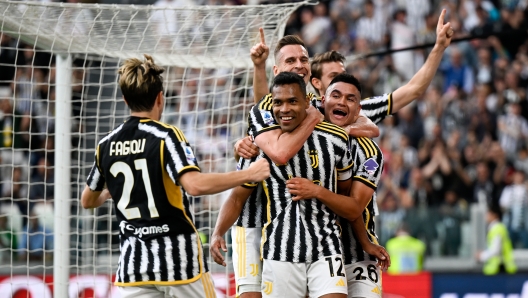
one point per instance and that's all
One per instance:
(441, 18)
(262, 37)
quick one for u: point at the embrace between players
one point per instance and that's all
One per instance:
(304, 196)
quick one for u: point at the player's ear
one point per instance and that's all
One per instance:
(275, 70)
(322, 99)
(316, 83)
(159, 99)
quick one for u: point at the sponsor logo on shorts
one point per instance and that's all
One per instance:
(341, 283)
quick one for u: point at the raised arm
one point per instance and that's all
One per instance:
(421, 80)
(229, 212)
(259, 54)
(197, 184)
(281, 147)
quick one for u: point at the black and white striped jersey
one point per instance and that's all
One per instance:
(306, 230)
(375, 108)
(141, 161)
(252, 215)
(367, 169)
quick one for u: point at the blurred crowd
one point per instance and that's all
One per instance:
(463, 143)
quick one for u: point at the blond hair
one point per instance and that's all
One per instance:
(140, 83)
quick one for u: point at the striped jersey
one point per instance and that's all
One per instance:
(368, 165)
(141, 161)
(252, 215)
(306, 230)
(375, 108)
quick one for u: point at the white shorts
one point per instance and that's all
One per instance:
(364, 280)
(286, 279)
(246, 259)
(203, 287)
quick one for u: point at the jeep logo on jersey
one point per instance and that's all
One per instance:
(371, 166)
(124, 226)
(268, 117)
(315, 158)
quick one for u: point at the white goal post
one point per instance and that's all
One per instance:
(63, 97)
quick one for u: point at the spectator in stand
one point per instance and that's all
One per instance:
(316, 25)
(513, 130)
(42, 183)
(403, 36)
(35, 242)
(8, 240)
(370, 26)
(514, 203)
(13, 131)
(457, 74)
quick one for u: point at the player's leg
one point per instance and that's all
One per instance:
(283, 279)
(203, 287)
(140, 292)
(246, 261)
(364, 280)
(327, 278)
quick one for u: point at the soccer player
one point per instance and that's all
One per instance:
(341, 104)
(298, 239)
(150, 171)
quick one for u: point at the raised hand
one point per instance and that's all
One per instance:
(259, 170)
(245, 148)
(260, 51)
(218, 243)
(444, 32)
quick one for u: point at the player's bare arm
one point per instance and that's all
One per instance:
(259, 54)
(360, 233)
(197, 184)
(94, 199)
(363, 127)
(421, 80)
(342, 205)
(229, 212)
(281, 147)
(245, 148)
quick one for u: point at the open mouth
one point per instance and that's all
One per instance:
(339, 113)
(286, 118)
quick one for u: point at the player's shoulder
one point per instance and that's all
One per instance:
(265, 103)
(312, 96)
(161, 130)
(368, 147)
(332, 129)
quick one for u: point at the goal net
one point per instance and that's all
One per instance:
(59, 96)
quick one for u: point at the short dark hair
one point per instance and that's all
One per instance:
(289, 78)
(286, 41)
(347, 78)
(326, 57)
(495, 210)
